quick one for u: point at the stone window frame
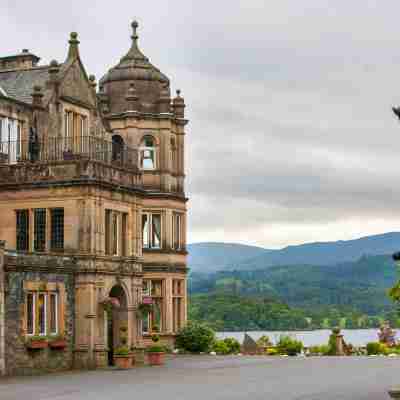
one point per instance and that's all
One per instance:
(47, 229)
(178, 295)
(149, 214)
(48, 289)
(118, 242)
(160, 300)
(152, 150)
(177, 222)
(75, 127)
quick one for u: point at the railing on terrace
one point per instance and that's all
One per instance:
(66, 149)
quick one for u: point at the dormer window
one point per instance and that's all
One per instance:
(148, 153)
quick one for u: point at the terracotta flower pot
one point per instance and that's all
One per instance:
(155, 358)
(37, 344)
(123, 362)
(58, 344)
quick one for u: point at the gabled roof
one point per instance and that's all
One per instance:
(18, 84)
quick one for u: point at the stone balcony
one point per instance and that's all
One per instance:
(57, 160)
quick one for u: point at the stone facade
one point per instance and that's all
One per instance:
(92, 211)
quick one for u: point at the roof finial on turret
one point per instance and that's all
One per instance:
(135, 25)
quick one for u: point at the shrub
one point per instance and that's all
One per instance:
(233, 345)
(155, 338)
(272, 351)
(156, 349)
(264, 341)
(195, 338)
(220, 347)
(122, 351)
(289, 346)
(375, 348)
(323, 350)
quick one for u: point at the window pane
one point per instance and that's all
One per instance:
(124, 235)
(107, 232)
(23, 230)
(145, 323)
(114, 234)
(53, 313)
(30, 310)
(148, 159)
(41, 307)
(156, 231)
(145, 230)
(57, 229)
(40, 229)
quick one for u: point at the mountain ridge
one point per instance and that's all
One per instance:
(210, 257)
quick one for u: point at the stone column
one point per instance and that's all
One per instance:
(2, 310)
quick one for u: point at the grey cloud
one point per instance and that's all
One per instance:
(289, 103)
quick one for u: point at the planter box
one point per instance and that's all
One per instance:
(155, 358)
(37, 344)
(58, 344)
(123, 362)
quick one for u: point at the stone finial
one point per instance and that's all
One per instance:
(178, 105)
(73, 51)
(135, 26)
(37, 96)
(132, 98)
(92, 81)
(53, 70)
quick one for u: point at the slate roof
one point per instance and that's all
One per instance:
(18, 84)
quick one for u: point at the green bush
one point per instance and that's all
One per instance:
(323, 350)
(375, 348)
(233, 345)
(156, 349)
(122, 351)
(289, 346)
(220, 347)
(264, 341)
(195, 338)
(272, 351)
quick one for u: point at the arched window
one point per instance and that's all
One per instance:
(148, 153)
(117, 148)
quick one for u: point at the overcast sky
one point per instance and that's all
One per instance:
(291, 137)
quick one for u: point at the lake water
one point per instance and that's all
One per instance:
(357, 337)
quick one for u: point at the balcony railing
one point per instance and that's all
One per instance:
(68, 149)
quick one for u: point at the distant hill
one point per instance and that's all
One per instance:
(211, 257)
(360, 284)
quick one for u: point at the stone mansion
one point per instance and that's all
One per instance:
(92, 210)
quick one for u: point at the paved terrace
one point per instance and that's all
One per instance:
(209, 378)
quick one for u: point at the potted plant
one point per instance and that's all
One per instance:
(155, 353)
(57, 342)
(36, 342)
(123, 357)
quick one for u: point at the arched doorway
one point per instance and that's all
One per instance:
(117, 321)
(117, 148)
